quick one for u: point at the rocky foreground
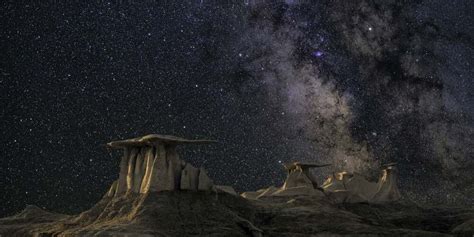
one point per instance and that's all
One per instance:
(188, 213)
(158, 194)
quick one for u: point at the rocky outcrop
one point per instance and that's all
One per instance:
(158, 194)
(152, 164)
(345, 187)
(299, 175)
(341, 187)
(299, 181)
(387, 187)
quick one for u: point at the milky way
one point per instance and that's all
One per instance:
(354, 84)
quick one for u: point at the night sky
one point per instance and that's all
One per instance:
(356, 84)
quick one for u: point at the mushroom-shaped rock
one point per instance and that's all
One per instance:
(152, 164)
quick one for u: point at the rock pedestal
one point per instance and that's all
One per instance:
(151, 164)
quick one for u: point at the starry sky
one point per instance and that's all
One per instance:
(354, 84)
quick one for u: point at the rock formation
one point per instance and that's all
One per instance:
(157, 194)
(345, 187)
(341, 187)
(299, 175)
(299, 181)
(151, 164)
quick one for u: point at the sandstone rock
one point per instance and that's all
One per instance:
(300, 175)
(205, 183)
(151, 164)
(154, 140)
(122, 181)
(139, 170)
(268, 191)
(251, 195)
(357, 189)
(299, 181)
(175, 166)
(131, 169)
(361, 188)
(159, 179)
(189, 178)
(387, 186)
(226, 189)
(298, 208)
(335, 182)
(298, 191)
(113, 189)
(149, 161)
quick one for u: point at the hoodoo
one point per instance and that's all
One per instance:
(341, 187)
(151, 164)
